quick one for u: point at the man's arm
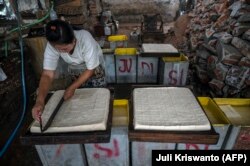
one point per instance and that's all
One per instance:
(77, 83)
(44, 85)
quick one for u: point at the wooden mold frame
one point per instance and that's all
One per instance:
(197, 137)
(28, 138)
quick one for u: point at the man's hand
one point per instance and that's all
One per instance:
(69, 92)
(37, 111)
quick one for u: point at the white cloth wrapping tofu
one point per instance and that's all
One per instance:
(158, 48)
(168, 108)
(87, 110)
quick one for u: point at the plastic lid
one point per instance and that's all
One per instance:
(120, 102)
(114, 38)
(125, 51)
(182, 57)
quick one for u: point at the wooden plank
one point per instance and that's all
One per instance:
(72, 138)
(156, 54)
(209, 137)
(28, 138)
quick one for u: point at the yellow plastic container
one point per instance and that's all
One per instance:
(115, 38)
(125, 51)
(173, 71)
(118, 41)
(213, 112)
(237, 110)
(120, 113)
(220, 124)
(182, 57)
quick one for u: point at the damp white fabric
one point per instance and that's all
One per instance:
(87, 110)
(168, 108)
(159, 48)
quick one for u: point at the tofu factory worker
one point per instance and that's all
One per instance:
(82, 54)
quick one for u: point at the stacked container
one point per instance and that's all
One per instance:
(173, 70)
(109, 59)
(118, 41)
(147, 69)
(125, 65)
(116, 152)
